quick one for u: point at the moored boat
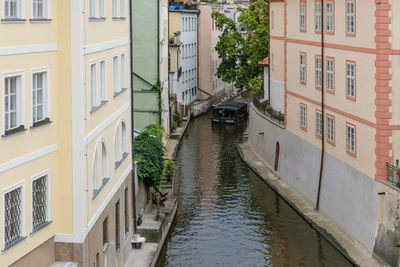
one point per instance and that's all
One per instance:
(229, 112)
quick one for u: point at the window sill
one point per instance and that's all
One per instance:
(97, 191)
(102, 103)
(97, 19)
(40, 227)
(12, 20)
(40, 20)
(118, 18)
(38, 124)
(120, 92)
(119, 162)
(14, 131)
(15, 242)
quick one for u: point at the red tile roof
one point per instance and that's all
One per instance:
(264, 62)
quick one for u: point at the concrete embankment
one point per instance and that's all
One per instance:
(156, 231)
(347, 219)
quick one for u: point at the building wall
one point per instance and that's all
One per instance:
(205, 50)
(351, 203)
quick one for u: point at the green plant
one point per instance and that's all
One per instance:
(169, 168)
(173, 126)
(139, 220)
(171, 40)
(178, 117)
(155, 130)
(149, 153)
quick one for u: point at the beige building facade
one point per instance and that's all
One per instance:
(65, 162)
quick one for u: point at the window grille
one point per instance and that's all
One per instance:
(12, 216)
(39, 201)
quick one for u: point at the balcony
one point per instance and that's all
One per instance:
(183, 5)
(393, 173)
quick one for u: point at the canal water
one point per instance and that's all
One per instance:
(228, 217)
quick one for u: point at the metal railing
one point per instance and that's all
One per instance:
(392, 173)
(267, 110)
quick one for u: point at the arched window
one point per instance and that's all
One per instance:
(100, 169)
(120, 143)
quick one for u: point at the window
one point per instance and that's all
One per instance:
(126, 216)
(114, 9)
(93, 84)
(12, 104)
(100, 162)
(105, 231)
(330, 74)
(318, 128)
(123, 71)
(103, 88)
(117, 227)
(122, 9)
(303, 16)
(351, 139)
(318, 17)
(116, 146)
(40, 202)
(303, 74)
(318, 72)
(303, 116)
(13, 216)
(351, 80)
(123, 137)
(92, 8)
(330, 121)
(101, 9)
(350, 17)
(115, 68)
(13, 9)
(330, 17)
(39, 97)
(39, 9)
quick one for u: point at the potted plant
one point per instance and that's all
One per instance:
(169, 168)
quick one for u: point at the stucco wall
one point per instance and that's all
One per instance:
(347, 196)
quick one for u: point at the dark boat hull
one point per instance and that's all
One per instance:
(228, 120)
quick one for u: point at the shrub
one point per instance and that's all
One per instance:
(156, 130)
(149, 152)
(178, 118)
(173, 125)
(169, 168)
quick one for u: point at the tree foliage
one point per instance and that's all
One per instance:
(149, 152)
(156, 130)
(240, 51)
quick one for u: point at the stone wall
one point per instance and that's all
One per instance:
(348, 197)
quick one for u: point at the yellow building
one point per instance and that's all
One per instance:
(65, 167)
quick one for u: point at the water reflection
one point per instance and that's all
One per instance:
(228, 217)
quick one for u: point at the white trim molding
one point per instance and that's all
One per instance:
(27, 49)
(92, 135)
(89, 49)
(27, 158)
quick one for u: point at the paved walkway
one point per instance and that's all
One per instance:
(319, 221)
(143, 256)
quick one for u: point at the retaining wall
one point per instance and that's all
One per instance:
(348, 197)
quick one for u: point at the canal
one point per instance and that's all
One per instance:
(228, 217)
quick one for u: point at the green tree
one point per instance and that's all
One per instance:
(240, 51)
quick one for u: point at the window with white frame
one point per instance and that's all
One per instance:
(123, 137)
(92, 8)
(303, 116)
(351, 138)
(350, 17)
(39, 96)
(40, 9)
(40, 202)
(330, 74)
(93, 84)
(101, 9)
(351, 80)
(319, 123)
(318, 16)
(116, 77)
(103, 88)
(302, 68)
(12, 103)
(13, 216)
(123, 71)
(302, 16)
(122, 8)
(117, 154)
(318, 72)
(13, 9)
(114, 8)
(331, 128)
(329, 17)
(100, 167)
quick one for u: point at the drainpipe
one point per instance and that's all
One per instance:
(158, 56)
(132, 120)
(321, 168)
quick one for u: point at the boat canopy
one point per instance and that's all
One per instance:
(231, 105)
